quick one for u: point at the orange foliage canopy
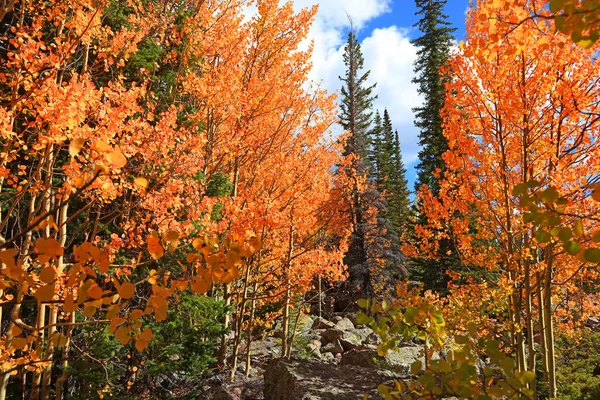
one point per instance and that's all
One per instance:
(102, 160)
(525, 110)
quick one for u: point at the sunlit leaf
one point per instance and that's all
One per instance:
(75, 146)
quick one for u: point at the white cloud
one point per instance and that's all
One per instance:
(388, 54)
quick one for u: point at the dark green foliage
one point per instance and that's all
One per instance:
(433, 48)
(218, 185)
(578, 368)
(181, 349)
(356, 103)
(377, 151)
(391, 174)
(391, 183)
(186, 342)
(355, 117)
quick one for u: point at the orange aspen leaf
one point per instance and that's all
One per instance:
(126, 290)
(75, 146)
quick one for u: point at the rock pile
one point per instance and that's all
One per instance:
(341, 340)
(333, 359)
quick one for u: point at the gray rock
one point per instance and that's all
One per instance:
(322, 323)
(334, 347)
(330, 335)
(398, 360)
(373, 339)
(311, 380)
(311, 335)
(344, 324)
(306, 323)
(363, 334)
(350, 341)
(314, 345)
(270, 346)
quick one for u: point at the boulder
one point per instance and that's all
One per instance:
(312, 380)
(322, 323)
(350, 341)
(398, 360)
(344, 324)
(334, 347)
(372, 339)
(314, 345)
(330, 335)
(269, 346)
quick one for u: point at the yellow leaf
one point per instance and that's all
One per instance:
(198, 244)
(126, 290)
(596, 193)
(172, 236)
(59, 340)
(89, 311)
(155, 248)
(112, 312)
(586, 43)
(101, 146)
(146, 334)
(75, 146)
(136, 314)
(192, 257)
(47, 249)
(116, 159)
(142, 182)
(140, 345)
(47, 275)
(578, 228)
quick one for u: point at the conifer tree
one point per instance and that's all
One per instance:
(400, 201)
(433, 50)
(356, 117)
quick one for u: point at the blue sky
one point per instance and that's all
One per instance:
(385, 28)
(402, 13)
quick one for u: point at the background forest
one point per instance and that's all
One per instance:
(172, 189)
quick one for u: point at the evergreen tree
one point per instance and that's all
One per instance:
(356, 103)
(433, 51)
(356, 118)
(400, 201)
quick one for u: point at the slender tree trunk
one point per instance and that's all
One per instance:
(62, 380)
(286, 301)
(293, 335)
(239, 323)
(320, 289)
(543, 341)
(547, 311)
(222, 355)
(250, 327)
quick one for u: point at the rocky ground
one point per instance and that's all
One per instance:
(333, 359)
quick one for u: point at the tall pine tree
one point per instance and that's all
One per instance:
(392, 184)
(356, 117)
(433, 49)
